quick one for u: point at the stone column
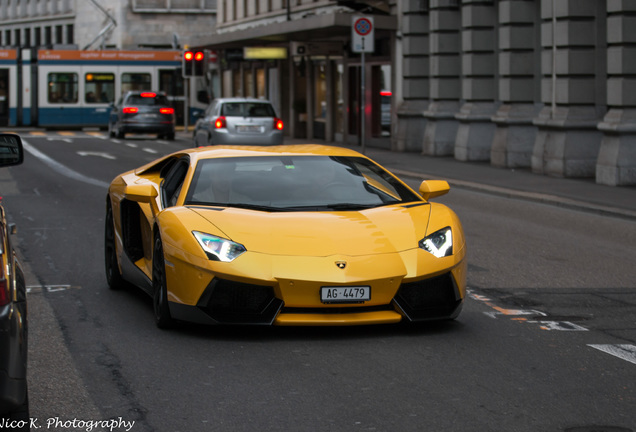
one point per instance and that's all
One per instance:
(616, 165)
(445, 72)
(411, 123)
(479, 67)
(568, 140)
(519, 84)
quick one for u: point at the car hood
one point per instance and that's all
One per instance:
(354, 233)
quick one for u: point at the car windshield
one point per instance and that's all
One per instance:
(295, 183)
(247, 109)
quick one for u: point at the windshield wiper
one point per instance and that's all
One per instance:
(236, 205)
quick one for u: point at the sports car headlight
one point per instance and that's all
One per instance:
(440, 243)
(217, 248)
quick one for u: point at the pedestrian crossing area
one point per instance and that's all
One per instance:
(58, 133)
(68, 134)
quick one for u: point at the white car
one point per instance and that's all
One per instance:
(238, 121)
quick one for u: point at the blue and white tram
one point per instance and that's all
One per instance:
(72, 88)
(8, 87)
(75, 88)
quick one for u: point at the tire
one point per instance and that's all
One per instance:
(170, 136)
(113, 275)
(120, 134)
(160, 291)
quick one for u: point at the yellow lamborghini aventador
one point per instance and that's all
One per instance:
(286, 235)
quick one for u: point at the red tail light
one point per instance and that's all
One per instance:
(148, 94)
(278, 124)
(220, 123)
(166, 110)
(130, 110)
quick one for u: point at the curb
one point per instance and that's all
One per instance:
(553, 200)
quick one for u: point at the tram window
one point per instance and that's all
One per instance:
(99, 87)
(135, 81)
(63, 87)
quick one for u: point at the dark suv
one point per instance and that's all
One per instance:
(14, 402)
(142, 112)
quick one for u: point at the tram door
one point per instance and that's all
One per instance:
(171, 82)
(4, 97)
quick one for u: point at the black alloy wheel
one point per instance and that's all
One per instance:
(160, 291)
(113, 275)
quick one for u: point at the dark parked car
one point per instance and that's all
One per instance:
(14, 401)
(142, 112)
(239, 121)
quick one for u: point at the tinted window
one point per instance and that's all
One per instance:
(99, 87)
(247, 109)
(63, 87)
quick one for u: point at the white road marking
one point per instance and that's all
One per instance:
(33, 289)
(624, 352)
(560, 325)
(521, 315)
(99, 154)
(56, 166)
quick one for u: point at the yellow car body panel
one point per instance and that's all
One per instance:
(294, 254)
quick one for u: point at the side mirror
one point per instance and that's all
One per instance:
(433, 188)
(143, 193)
(11, 151)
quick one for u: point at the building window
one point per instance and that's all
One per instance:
(18, 39)
(58, 35)
(99, 87)
(63, 88)
(47, 35)
(320, 92)
(27, 37)
(260, 83)
(7, 37)
(70, 34)
(248, 83)
(37, 36)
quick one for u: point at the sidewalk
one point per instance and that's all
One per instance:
(580, 194)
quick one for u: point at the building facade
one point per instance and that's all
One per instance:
(537, 84)
(105, 24)
(545, 85)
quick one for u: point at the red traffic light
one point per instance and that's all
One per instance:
(188, 55)
(199, 56)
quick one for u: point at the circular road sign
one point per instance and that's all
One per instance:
(363, 26)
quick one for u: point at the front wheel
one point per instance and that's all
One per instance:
(160, 291)
(113, 275)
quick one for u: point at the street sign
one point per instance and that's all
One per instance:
(362, 35)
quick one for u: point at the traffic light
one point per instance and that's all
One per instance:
(200, 63)
(188, 63)
(195, 63)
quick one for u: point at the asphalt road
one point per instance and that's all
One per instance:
(546, 340)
